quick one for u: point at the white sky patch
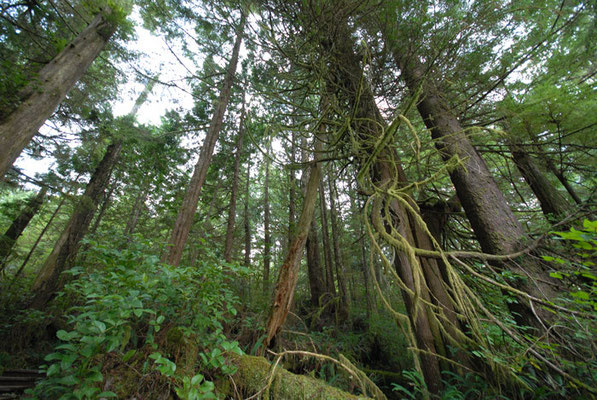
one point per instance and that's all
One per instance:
(156, 58)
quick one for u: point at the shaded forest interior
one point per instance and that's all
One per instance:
(290, 199)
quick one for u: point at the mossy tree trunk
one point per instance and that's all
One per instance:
(495, 225)
(254, 373)
(345, 77)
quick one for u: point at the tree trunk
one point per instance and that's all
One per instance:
(105, 203)
(369, 295)
(232, 208)
(186, 213)
(560, 175)
(247, 220)
(552, 202)
(41, 235)
(492, 220)
(48, 281)
(48, 90)
(255, 373)
(314, 268)
(346, 75)
(327, 249)
(267, 241)
(9, 239)
(291, 191)
(284, 292)
(344, 308)
(133, 220)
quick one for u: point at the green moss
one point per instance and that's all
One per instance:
(254, 372)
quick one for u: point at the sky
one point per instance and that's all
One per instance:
(155, 57)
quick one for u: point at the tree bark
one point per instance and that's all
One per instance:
(327, 248)
(553, 204)
(369, 295)
(184, 220)
(267, 240)
(41, 235)
(492, 220)
(48, 281)
(247, 219)
(133, 220)
(288, 276)
(48, 90)
(9, 239)
(344, 308)
(314, 268)
(102, 211)
(291, 191)
(234, 190)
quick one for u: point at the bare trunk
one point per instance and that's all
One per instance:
(234, 191)
(344, 308)
(105, 203)
(186, 213)
(314, 268)
(133, 220)
(9, 239)
(560, 175)
(48, 281)
(369, 295)
(291, 191)
(247, 220)
(50, 88)
(552, 202)
(41, 235)
(267, 240)
(327, 248)
(285, 287)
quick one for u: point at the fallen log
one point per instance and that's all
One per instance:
(255, 376)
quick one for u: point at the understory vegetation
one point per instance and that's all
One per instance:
(310, 199)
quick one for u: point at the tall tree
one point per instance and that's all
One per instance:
(9, 239)
(48, 280)
(495, 225)
(234, 190)
(344, 309)
(288, 276)
(184, 220)
(48, 90)
(267, 239)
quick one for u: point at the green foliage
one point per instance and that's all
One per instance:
(123, 300)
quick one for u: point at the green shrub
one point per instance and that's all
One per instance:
(123, 300)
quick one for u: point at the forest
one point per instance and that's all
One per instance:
(298, 199)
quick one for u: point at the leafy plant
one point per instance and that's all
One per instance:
(123, 300)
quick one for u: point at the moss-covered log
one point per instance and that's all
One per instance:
(254, 373)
